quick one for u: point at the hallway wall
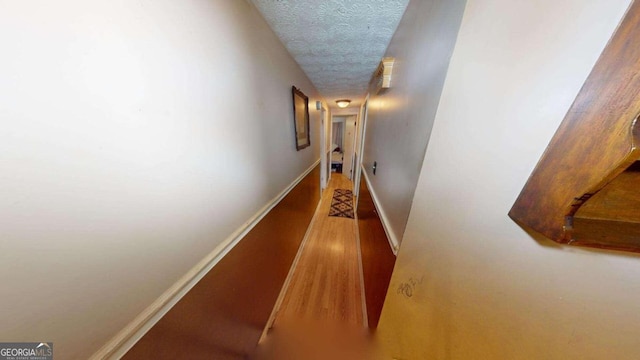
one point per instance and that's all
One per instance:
(468, 282)
(400, 119)
(135, 137)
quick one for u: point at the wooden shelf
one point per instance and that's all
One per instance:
(585, 190)
(611, 217)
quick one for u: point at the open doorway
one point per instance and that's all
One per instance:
(343, 144)
(337, 144)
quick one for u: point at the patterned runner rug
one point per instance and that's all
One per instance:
(342, 204)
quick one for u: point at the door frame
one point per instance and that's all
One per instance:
(323, 152)
(350, 151)
(361, 133)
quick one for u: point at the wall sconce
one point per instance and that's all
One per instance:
(343, 103)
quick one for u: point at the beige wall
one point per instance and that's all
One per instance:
(484, 288)
(400, 120)
(135, 136)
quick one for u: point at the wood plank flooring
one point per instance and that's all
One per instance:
(326, 284)
(321, 316)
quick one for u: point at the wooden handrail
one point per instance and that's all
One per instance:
(595, 143)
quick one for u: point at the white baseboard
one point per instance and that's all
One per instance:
(124, 340)
(393, 239)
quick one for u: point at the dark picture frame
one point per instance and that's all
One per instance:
(301, 118)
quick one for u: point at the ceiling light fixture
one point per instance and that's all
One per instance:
(343, 103)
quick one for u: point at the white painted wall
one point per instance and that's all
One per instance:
(489, 290)
(400, 120)
(134, 138)
(351, 110)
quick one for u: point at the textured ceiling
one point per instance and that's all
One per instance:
(338, 43)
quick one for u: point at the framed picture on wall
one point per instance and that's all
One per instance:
(301, 118)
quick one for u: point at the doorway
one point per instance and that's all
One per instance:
(343, 131)
(349, 146)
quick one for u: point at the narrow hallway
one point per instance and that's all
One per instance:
(326, 283)
(321, 314)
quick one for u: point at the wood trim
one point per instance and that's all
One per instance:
(391, 236)
(594, 144)
(363, 296)
(117, 346)
(377, 259)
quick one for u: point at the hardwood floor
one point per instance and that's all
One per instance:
(326, 283)
(321, 316)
